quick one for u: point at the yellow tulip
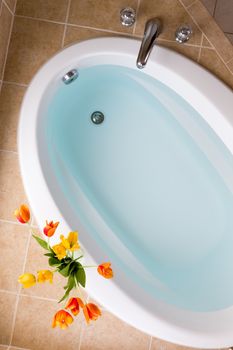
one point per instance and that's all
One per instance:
(27, 279)
(44, 275)
(59, 250)
(71, 242)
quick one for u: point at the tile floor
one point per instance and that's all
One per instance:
(40, 29)
(222, 11)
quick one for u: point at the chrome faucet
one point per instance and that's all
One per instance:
(153, 28)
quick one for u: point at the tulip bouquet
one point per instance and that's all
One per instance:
(61, 259)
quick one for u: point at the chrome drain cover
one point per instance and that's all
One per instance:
(97, 117)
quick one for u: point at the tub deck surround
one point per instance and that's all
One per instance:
(161, 315)
(32, 21)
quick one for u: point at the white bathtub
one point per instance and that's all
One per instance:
(150, 189)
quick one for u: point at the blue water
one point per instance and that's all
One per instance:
(158, 176)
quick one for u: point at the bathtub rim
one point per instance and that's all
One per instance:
(161, 61)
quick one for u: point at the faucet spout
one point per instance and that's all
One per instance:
(152, 30)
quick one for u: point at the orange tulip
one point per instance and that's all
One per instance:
(105, 270)
(91, 312)
(62, 319)
(74, 305)
(22, 214)
(50, 228)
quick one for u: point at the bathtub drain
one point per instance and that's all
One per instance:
(97, 117)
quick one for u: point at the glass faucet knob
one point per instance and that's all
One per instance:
(127, 16)
(183, 34)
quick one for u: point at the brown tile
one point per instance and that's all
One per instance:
(211, 30)
(103, 14)
(230, 37)
(224, 15)
(11, 4)
(50, 9)
(7, 308)
(188, 51)
(10, 102)
(11, 187)
(10, 179)
(10, 203)
(172, 14)
(5, 26)
(15, 348)
(209, 5)
(187, 3)
(205, 42)
(11, 265)
(37, 315)
(158, 344)
(108, 332)
(32, 43)
(210, 60)
(230, 66)
(76, 34)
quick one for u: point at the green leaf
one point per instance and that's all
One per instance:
(65, 271)
(41, 242)
(54, 261)
(51, 255)
(81, 276)
(70, 286)
(73, 267)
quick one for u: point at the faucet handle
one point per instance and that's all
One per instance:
(128, 16)
(183, 34)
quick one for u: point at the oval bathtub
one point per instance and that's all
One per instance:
(150, 188)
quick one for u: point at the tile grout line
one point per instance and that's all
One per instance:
(81, 336)
(8, 291)
(93, 28)
(215, 5)
(13, 222)
(150, 343)
(1, 7)
(18, 293)
(40, 19)
(181, 2)
(8, 43)
(229, 61)
(38, 297)
(208, 47)
(14, 83)
(228, 33)
(16, 347)
(191, 4)
(7, 6)
(137, 10)
(15, 6)
(27, 295)
(66, 22)
(5, 150)
(194, 20)
(75, 25)
(199, 53)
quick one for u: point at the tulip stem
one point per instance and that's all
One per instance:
(81, 294)
(88, 266)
